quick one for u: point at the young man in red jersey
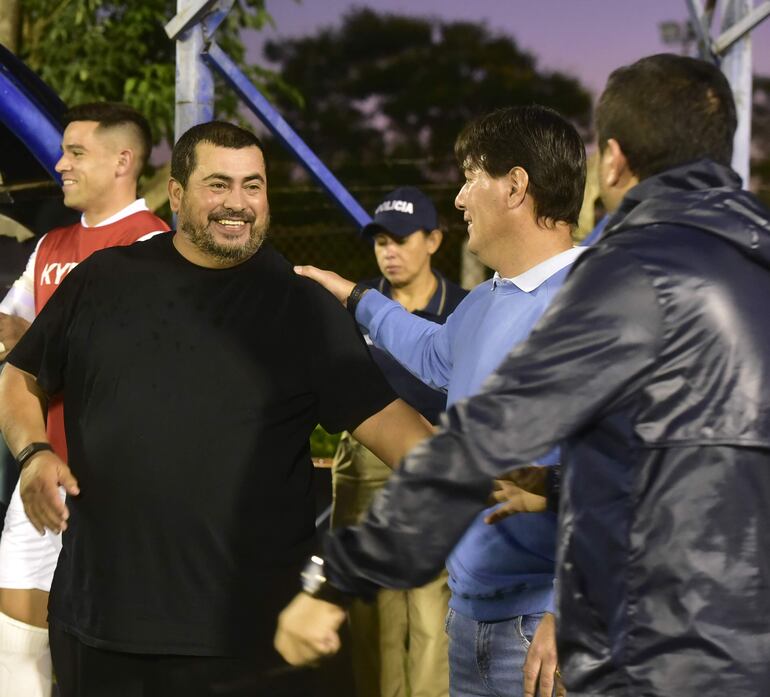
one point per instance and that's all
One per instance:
(105, 147)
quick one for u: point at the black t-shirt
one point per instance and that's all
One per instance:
(190, 395)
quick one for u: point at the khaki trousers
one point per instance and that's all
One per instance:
(399, 644)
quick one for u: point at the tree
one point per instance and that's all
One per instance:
(760, 136)
(386, 95)
(89, 50)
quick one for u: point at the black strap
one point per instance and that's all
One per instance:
(29, 451)
(355, 296)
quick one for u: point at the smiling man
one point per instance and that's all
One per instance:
(198, 365)
(104, 149)
(524, 174)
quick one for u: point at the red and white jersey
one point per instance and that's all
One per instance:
(57, 253)
(62, 249)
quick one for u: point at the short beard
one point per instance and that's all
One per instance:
(225, 254)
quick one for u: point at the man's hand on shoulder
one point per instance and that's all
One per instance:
(339, 287)
(12, 328)
(40, 480)
(308, 630)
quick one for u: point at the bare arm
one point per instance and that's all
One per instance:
(393, 431)
(12, 328)
(22, 421)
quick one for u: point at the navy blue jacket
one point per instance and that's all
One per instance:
(652, 367)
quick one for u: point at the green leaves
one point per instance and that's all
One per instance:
(404, 87)
(89, 50)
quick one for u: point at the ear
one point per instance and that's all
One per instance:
(614, 165)
(517, 181)
(125, 162)
(175, 192)
(434, 238)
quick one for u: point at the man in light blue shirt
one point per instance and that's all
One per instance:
(524, 176)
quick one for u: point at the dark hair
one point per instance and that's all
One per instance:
(220, 133)
(666, 110)
(540, 141)
(115, 115)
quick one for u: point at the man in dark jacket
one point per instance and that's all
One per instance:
(652, 369)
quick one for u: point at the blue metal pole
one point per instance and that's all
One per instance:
(257, 103)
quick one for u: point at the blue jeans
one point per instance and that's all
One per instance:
(486, 659)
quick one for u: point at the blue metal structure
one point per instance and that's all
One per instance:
(269, 115)
(732, 52)
(30, 110)
(193, 28)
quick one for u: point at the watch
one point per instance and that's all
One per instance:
(316, 585)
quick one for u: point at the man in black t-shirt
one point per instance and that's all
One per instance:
(194, 367)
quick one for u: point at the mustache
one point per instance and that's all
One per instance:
(245, 216)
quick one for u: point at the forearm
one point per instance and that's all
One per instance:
(22, 409)
(12, 328)
(392, 432)
(412, 525)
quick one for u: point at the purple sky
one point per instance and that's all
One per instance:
(586, 38)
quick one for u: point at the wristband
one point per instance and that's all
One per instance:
(29, 451)
(355, 296)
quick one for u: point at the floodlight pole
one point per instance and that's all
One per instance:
(736, 65)
(194, 82)
(732, 52)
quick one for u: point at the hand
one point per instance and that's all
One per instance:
(12, 328)
(521, 491)
(41, 477)
(339, 287)
(541, 668)
(307, 630)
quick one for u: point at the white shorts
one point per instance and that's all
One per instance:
(27, 559)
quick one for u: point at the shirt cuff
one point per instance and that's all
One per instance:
(551, 458)
(550, 606)
(369, 305)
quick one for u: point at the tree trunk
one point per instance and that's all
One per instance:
(10, 24)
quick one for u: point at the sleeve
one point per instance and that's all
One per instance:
(421, 346)
(20, 298)
(593, 346)
(42, 351)
(349, 385)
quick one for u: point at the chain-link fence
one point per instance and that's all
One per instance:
(308, 228)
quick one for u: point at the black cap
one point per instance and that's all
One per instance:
(401, 213)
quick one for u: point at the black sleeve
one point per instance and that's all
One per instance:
(42, 351)
(598, 339)
(350, 387)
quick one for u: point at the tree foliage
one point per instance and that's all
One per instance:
(386, 95)
(760, 136)
(90, 50)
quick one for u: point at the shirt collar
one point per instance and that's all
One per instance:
(138, 205)
(534, 277)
